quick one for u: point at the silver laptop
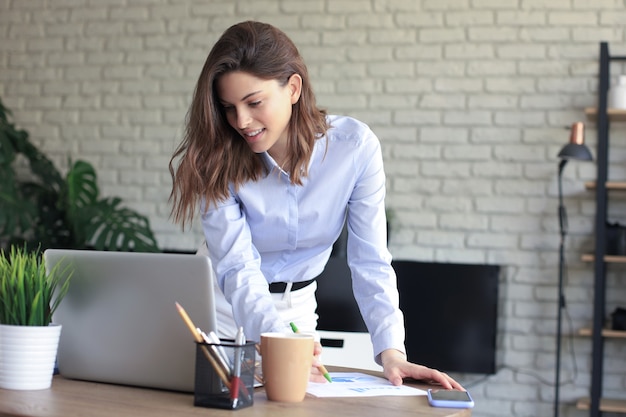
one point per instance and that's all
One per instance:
(119, 318)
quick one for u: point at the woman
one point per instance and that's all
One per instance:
(275, 178)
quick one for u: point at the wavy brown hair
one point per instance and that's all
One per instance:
(212, 155)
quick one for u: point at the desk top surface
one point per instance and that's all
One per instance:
(70, 398)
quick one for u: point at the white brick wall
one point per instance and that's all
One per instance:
(471, 100)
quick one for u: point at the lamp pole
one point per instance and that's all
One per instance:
(561, 297)
(575, 149)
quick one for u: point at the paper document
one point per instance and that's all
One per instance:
(356, 384)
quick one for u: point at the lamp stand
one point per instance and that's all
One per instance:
(561, 296)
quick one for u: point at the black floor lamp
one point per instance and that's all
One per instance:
(575, 149)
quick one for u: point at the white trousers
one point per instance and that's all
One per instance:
(293, 306)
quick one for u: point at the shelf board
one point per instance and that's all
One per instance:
(588, 257)
(610, 185)
(618, 115)
(606, 405)
(587, 331)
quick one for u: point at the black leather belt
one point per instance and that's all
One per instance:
(280, 287)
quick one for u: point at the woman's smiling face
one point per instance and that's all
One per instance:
(259, 109)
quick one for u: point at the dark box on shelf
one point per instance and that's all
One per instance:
(615, 239)
(618, 319)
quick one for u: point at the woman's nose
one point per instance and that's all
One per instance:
(243, 119)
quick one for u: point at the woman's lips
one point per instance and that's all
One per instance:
(253, 135)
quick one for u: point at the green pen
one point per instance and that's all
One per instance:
(321, 367)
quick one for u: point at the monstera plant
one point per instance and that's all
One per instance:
(42, 209)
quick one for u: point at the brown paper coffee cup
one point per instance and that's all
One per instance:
(286, 362)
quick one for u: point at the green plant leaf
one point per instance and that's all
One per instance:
(18, 206)
(80, 191)
(7, 150)
(16, 214)
(41, 167)
(110, 227)
(51, 230)
(81, 187)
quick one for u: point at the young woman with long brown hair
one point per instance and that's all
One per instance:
(275, 178)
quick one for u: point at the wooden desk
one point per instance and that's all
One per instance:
(70, 398)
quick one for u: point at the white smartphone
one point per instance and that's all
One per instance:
(450, 398)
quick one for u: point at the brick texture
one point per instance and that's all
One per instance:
(471, 100)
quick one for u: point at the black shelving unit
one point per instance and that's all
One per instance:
(596, 403)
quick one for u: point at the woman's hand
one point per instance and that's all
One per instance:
(396, 367)
(316, 375)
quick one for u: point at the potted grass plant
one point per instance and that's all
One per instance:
(29, 295)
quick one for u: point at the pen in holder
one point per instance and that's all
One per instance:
(217, 366)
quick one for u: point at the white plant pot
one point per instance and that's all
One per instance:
(27, 356)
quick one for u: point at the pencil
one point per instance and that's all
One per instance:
(198, 338)
(321, 367)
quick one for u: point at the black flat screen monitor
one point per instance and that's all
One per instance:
(450, 311)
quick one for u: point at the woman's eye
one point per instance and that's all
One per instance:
(255, 103)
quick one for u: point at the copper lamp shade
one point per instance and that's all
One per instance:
(576, 148)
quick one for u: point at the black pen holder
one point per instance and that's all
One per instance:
(216, 367)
